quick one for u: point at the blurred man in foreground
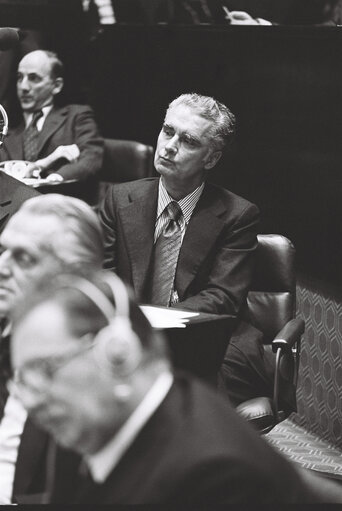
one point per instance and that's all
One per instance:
(62, 143)
(99, 379)
(50, 233)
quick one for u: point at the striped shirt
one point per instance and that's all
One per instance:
(187, 205)
(105, 11)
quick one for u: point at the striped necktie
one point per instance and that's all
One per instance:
(166, 252)
(30, 138)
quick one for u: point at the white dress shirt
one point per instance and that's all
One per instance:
(11, 428)
(105, 11)
(103, 462)
(40, 123)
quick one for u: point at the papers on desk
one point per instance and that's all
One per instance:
(160, 317)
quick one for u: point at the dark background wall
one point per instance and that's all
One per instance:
(285, 86)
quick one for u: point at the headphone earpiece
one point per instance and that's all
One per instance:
(117, 347)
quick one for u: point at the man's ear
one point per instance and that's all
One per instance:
(213, 159)
(58, 86)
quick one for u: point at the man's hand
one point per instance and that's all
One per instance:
(243, 18)
(69, 152)
(54, 177)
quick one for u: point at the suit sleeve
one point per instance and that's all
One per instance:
(221, 286)
(90, 144)
(108, 221)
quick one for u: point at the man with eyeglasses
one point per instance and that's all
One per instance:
(98, 378)
(49, 233)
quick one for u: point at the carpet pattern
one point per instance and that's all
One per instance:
(306, 449)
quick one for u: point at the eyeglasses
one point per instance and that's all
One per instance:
(36, 374)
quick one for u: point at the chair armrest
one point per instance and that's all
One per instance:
(289, 335)
(258, 412)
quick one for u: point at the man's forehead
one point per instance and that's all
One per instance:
(38, 331)
(188, 119)
(36, 62)
(32, 228)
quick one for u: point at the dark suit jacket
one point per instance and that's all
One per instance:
(12, 194)
(216, 258)
(36, 456)
(72, 124)
(196, 451)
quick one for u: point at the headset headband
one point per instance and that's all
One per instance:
(101, 301)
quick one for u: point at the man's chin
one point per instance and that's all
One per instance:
(6, 305)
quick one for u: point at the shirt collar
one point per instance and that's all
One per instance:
(103, 462)
(28, 116)
(187, 204)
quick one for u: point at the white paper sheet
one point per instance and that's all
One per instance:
(167, 318)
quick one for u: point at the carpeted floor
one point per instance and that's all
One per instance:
(306, 449)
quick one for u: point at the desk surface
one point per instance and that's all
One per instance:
(200, 346)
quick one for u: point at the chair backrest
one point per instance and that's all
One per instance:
(271, 300)
(126, 160)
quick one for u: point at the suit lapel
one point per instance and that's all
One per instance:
(14, 143)
(52, 123)
(6, 192)
(32, 447)
(204, 227)
(138, 220)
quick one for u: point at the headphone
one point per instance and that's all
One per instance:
(3, 124)
(117, 347)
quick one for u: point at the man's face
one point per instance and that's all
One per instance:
(75, 401)
(183, 151)
(26, 254)
(35, 86)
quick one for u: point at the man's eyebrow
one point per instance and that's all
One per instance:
(190, 137)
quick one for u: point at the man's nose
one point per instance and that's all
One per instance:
(33, 401)
(23, 84)
(5, 266)
(172, 145)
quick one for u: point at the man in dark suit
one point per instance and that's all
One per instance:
(49, 233)
(146, 435)
(62, 142)
(218, 228)
(217, 235)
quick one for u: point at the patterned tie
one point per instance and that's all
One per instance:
(166, 253)
(30, 138)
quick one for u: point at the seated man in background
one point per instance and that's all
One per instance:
(62, 143)
(99, 379)
(50, 233)
(210, 232)
(179, 240)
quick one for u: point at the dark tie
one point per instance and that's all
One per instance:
(30, 138)
(84, 487)
(5, 372)
(166, 253)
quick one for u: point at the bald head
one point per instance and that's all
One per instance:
(39, 79)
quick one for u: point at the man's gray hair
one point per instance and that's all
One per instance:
(80, 241)
(223, 119)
